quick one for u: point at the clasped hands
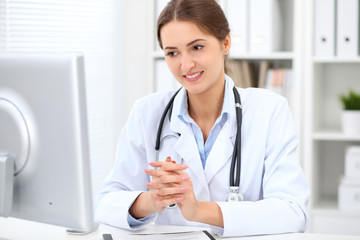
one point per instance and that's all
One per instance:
(171, 185)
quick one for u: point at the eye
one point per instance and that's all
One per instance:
(198, 47)
(171, 54)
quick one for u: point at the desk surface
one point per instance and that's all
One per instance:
(17, 229)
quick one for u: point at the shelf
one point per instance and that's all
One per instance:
(336, 60)
(333, 135)
(270, 56)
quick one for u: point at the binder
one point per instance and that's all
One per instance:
(237, 15)
(248, 73)
(347, 25)
(164, 80)
(264, 26)
(324, 28)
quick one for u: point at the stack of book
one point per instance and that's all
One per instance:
(280, 80)
(244, 74)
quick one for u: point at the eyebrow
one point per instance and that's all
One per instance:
(188, 44)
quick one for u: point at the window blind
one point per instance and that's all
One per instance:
(72, 26)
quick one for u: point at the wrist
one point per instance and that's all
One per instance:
(199, 213)
(142, 206)
(209, 213)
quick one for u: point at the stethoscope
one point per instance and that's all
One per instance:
(234, 195)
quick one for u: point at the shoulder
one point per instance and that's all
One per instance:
(263, 103)
(146, 112)
(261, 97)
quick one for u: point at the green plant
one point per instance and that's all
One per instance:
(351, 101)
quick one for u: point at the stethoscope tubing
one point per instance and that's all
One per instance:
(161, 123)
(237, 148)
(236, 157)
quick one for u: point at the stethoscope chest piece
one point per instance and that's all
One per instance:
(234, 195)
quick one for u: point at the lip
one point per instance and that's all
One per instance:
(199, 75)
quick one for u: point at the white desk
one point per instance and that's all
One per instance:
(17, 229)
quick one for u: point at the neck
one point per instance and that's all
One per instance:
(207, 107)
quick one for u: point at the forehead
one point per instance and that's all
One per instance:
(182, 32)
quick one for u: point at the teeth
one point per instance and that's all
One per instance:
(193, 76)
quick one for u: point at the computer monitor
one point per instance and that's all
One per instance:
(43, 127)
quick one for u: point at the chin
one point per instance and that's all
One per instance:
(195, 90)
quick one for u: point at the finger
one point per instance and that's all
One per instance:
(156, 186)
(172, 179)
(158, 173)
(151, 185)
(170, 201)
(168, 167)
(166, 192)
(151, 172)
(168, 159)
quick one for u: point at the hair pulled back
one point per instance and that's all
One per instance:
(206, 14)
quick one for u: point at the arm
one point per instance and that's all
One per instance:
(285, 193)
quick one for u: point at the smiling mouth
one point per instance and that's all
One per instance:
(193, 76)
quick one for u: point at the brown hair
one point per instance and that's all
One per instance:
(207, 14)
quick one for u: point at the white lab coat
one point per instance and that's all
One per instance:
(272, 181)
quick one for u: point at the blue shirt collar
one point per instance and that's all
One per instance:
(184, 116)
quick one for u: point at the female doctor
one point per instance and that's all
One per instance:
(231, 166)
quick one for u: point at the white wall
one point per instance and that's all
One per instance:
(133, 82)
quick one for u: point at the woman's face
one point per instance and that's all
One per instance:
(195, 58)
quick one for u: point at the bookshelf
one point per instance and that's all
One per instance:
(324, 142)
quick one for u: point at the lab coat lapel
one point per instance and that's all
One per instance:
(186, 147)
(223, 147)
(221, 151)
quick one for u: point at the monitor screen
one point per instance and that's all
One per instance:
(43, 127)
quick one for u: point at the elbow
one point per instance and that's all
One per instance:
(300, 220)
(303, 222)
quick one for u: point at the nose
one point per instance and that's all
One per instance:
(187, 63)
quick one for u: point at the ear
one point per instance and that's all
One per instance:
(227, 44)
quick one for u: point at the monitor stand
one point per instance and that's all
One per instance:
(7, 168)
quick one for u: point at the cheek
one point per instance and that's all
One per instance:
(212, 58)
(212, 62)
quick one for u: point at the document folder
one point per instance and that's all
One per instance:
(324, 28)
(265, 26)
(237, 15)
(347, 24)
